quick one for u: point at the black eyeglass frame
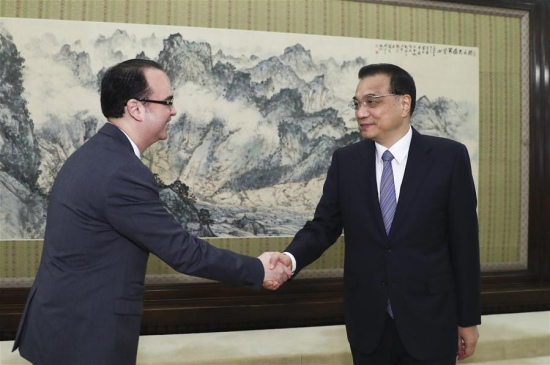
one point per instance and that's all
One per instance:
(168, 102)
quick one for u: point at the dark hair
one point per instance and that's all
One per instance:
(123, 82)
(401, 82)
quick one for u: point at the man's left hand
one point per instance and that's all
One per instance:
(467, 341)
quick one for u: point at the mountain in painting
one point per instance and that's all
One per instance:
(246, 154)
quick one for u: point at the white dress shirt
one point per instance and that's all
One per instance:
(400, 152)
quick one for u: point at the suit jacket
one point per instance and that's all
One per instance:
(104, 218)
(428, 264)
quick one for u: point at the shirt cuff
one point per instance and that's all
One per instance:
(291, 259)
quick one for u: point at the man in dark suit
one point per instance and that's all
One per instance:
(411, 271)
(104, 218)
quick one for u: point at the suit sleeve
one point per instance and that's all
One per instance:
(320, 233)
(464, 241)
(134, 209)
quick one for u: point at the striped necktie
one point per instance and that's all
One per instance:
(388, 202)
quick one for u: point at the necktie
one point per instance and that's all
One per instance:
(388, 202)
(387, 191)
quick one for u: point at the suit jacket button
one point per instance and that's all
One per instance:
(387, 248)
(385, 283)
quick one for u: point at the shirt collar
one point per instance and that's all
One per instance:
(399, 150)
(134, 146)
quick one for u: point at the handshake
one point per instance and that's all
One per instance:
(277, 268)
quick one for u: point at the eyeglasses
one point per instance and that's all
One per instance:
(168, 102)
(370, 100)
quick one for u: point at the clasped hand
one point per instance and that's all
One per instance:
(277, 268)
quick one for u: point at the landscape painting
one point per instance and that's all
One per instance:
(259, 115)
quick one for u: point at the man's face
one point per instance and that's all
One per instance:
(384, 120)
(157, 115)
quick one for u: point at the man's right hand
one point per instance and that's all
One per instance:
(282, 258)
(275, 272)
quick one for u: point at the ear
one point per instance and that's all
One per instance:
(405, 105)
(135, 109)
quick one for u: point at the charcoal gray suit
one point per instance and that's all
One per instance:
(104, 218)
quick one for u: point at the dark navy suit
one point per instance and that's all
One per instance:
(104, 218)
(428, 264)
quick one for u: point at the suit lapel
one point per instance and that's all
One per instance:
(418, 163)
(366, 176)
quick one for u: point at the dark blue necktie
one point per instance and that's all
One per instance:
(388, 202)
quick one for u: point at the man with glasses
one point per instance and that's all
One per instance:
(406, 203)
(104, 218)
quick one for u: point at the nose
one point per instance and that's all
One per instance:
(362, 112)
(173, 110)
